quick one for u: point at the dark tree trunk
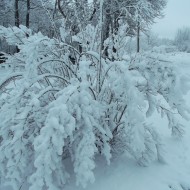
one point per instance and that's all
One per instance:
(138, 37)
(17, 20)
(28, 14)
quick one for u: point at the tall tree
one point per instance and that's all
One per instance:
(28, 14)
(17, 20)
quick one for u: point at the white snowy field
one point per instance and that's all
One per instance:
(125, 174)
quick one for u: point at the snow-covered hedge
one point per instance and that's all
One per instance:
(182, 39)
(67, 107)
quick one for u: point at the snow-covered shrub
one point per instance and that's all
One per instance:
(64, 111)
(182, 39)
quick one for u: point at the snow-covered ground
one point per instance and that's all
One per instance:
(5, 70)
(125, 174)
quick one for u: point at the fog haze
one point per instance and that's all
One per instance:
(177, 15)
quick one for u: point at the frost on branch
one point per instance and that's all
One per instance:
(58, 110)
(163, 89)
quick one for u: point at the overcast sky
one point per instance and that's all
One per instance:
(177, 15)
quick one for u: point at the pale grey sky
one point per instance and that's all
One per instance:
(177, 15)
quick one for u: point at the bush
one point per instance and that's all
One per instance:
(182, 39)
(63, 112)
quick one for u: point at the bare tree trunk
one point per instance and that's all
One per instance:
(138, 37)
(101, 44)
(17, 20)
(28, 14)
